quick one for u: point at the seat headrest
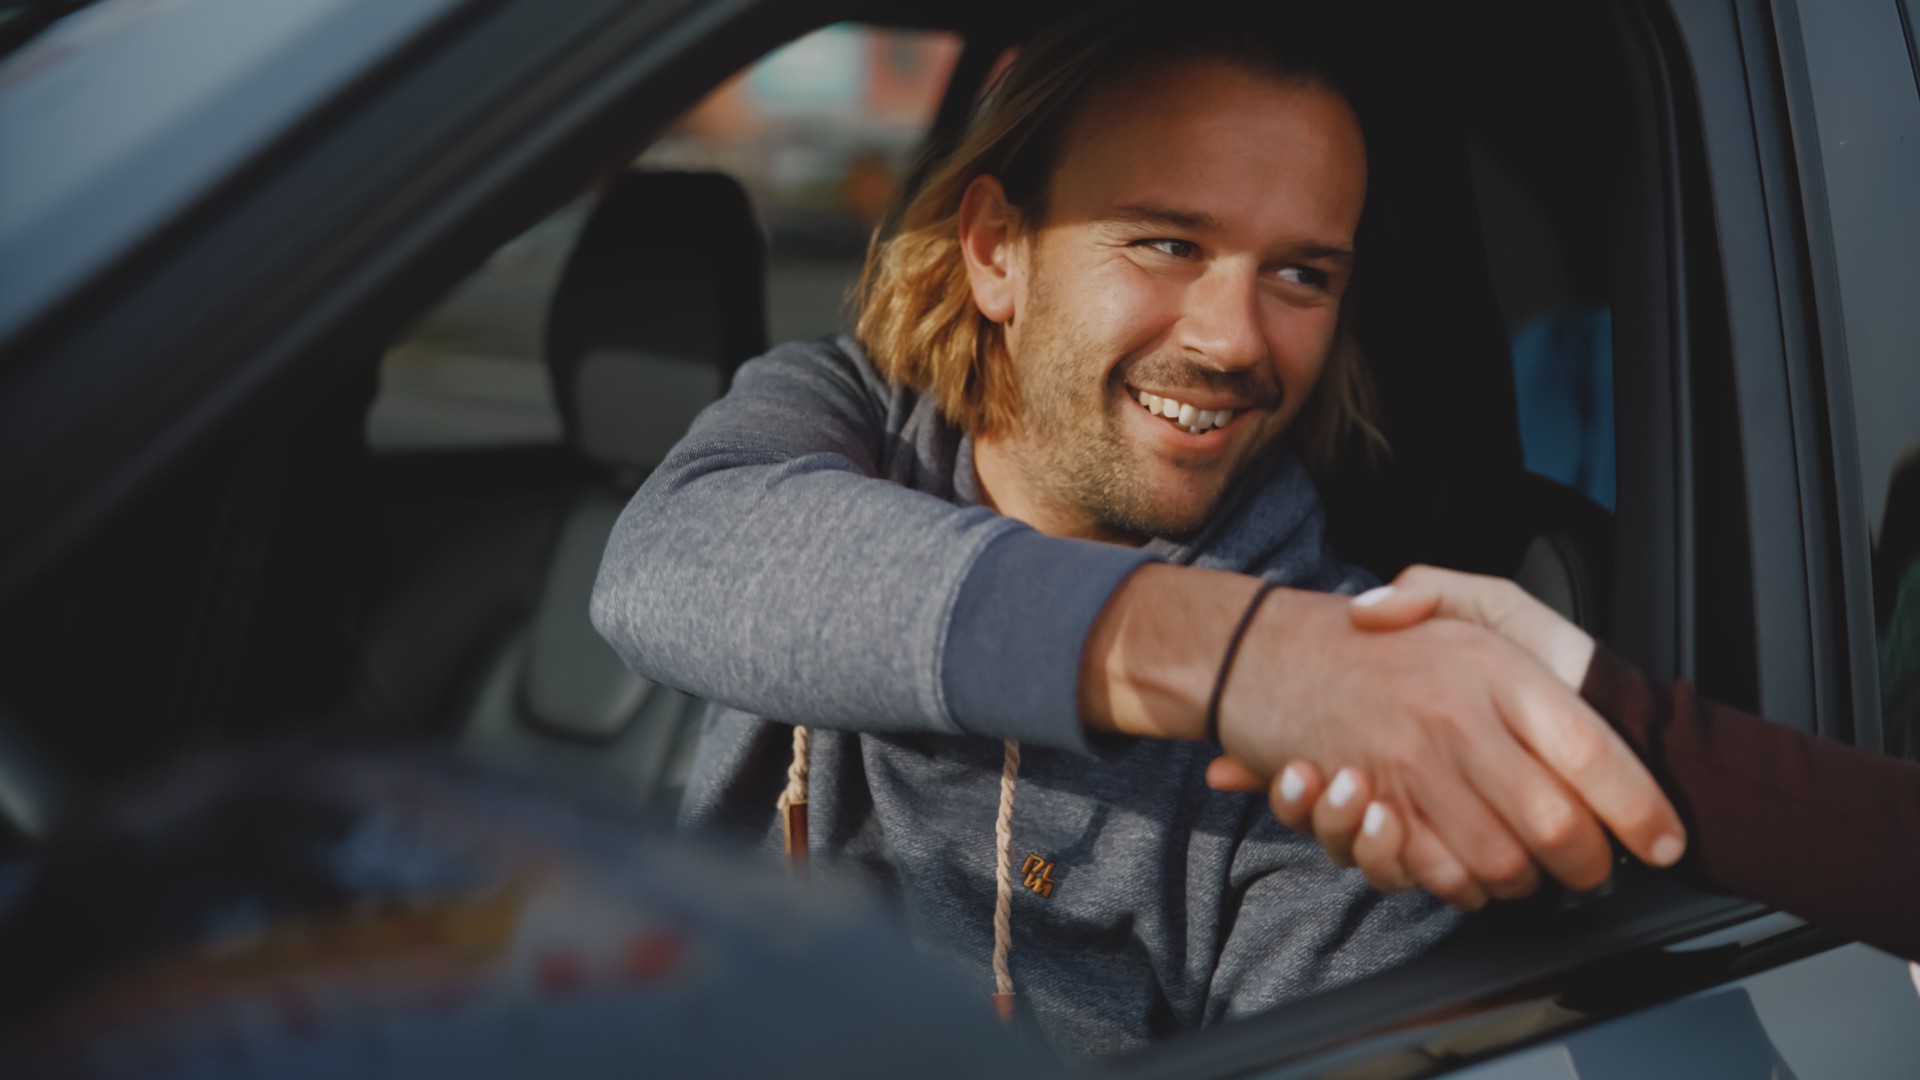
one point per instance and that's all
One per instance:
(662, 298)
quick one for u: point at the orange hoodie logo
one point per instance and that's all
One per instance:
(1039, 875)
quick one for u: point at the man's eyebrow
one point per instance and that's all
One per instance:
(1327, 252)
(1152, 214)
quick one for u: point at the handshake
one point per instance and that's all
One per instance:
(1444, 708)
(1544, 810)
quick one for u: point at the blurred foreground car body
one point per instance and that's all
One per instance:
(310, 912)
(216, 217)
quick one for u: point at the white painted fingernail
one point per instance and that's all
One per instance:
(1292, 784)
(1373, 596)
(1375, 820)
(1668, 849)
(1342, 788)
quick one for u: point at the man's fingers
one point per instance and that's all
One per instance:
(1560, 729)
(1478, 838)
(1226, 774)
(1555, 826)
(1376, 851)
(1336, 818)
(1294, 794)
(1599, 767)
(1430, 863)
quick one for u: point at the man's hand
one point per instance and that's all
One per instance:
(1356, 828)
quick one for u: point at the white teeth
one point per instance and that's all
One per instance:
(1186, 417)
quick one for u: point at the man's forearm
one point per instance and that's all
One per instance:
(769, 565)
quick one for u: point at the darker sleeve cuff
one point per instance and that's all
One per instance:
(1011, 662)
(1624, 697)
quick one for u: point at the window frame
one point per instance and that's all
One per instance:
(1852, 328)
(1803, 619)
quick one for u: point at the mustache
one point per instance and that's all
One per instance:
(1256, 386)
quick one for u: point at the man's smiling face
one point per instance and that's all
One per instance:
(1170, 314)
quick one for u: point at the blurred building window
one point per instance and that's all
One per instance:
(818, 132)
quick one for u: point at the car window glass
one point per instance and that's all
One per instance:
(817, 133)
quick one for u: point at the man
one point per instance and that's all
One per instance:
(1080, 348)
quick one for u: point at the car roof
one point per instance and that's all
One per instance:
(116, 117)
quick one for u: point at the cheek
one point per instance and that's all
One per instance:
(1300, 340)
(1126, 309)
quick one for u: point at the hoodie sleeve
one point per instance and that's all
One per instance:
(764, 566)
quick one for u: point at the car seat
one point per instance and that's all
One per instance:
(661, 299)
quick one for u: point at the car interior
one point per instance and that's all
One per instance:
(290, 578)
(639, 336)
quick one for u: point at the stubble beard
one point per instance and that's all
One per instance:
(1072, 449)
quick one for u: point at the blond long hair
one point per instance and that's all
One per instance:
(916, 316)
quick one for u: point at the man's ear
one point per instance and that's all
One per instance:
(988, 235)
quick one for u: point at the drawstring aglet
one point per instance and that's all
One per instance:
(797, 838)
(793, 805)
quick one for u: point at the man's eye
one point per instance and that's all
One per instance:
(1305, 275)
(1179, 249)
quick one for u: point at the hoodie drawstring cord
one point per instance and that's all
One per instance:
(792, 806)
(1003, 884)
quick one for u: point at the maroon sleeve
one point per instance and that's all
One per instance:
(1803, 824)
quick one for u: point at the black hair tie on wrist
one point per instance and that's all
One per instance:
(1226, 662)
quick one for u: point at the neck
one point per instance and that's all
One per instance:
(1011, 484)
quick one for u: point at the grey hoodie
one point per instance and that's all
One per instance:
(760, 567)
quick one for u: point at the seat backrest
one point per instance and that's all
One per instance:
(662, 298)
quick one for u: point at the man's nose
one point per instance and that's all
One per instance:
(1221, 317)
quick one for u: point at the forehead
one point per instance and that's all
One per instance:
(1252, 151)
